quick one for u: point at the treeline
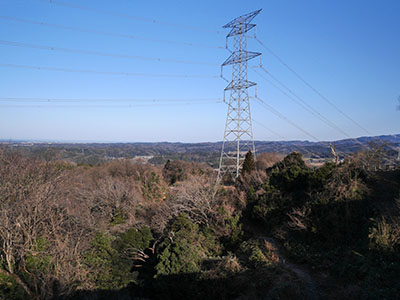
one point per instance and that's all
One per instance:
(136, 231)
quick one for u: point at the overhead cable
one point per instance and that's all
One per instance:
(282, 137)
(100, 105)
(319, 116)
(281, 116)
(68, 70)
(321, 96)
(127, 16)
(107, 33)
(301, 102)
(69, 100)
(98, 53)
(311, 87)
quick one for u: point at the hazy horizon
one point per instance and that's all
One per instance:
(176, 142)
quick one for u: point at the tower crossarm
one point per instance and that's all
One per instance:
(244, 19)
(240, 56)
(239, 85)
(240, 29)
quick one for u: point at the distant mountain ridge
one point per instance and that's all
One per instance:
(159, 152)
(393, 139)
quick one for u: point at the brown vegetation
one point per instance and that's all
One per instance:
(169, 231)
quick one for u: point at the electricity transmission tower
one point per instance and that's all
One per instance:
(238, 136)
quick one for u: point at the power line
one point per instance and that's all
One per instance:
(301, 102)
(101, 106)
(274, 111)
(68, 70)
(311, 87)
(316, 113)
(150, 102)
(98, 53)
(107, 33)
(309, 108)
(270, 108)
(324, 119)
(269, 129)
(282, 137)
(281, 116)
(127, 16)
(72, 100)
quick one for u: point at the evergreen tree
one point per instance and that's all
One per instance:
(249, 163)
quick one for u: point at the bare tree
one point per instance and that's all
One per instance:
(195, 197)
(39, 241)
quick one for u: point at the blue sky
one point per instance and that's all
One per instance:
(348, 50)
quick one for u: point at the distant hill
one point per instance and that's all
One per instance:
(208, 152)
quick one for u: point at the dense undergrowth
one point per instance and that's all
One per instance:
(130, 231)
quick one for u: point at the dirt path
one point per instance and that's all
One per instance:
(312, 288)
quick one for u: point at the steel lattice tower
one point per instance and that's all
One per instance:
(238, 136)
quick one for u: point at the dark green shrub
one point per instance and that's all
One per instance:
(10, 289)
(133, 239)
(108, 267)
(184, 249)
(290, 175)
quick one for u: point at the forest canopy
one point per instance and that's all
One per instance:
(126, 230)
